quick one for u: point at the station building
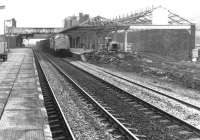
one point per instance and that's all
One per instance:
(154, 30)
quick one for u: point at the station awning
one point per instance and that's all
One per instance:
(80, 28)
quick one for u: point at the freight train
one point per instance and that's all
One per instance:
(58, 45)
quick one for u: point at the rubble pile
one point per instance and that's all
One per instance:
(118, 60)
(165, 69)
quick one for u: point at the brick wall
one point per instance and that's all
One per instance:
(168, 42)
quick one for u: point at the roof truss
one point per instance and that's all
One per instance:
(100, 21)
(145, 17)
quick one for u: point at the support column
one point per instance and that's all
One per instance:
(75, 42)
(81, 46)
(84, 42)
(192, 39)
(115, 35)
(125, 41)
(193, 30)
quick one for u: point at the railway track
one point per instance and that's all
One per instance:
(119, 131)
(141, 119)
(58, 124)
(156, 91)
(194, 105)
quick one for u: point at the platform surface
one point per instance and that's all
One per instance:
(80, 51)
(22, 113)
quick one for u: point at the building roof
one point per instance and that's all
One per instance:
(145, 17)
(139, 18)
(101, 21)
(96, 24)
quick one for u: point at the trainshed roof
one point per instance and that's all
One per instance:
(96, 24)
(145, 17)
(99, 23)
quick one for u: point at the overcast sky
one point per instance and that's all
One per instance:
(50, 13)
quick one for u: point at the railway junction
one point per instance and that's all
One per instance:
(98, 93)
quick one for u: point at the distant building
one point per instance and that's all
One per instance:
(11, 23)
(2, 38)
(70, 21)
(83, 17)
(14, 23)
(75, 20)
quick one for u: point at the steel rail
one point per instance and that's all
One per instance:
(148, 88)
(65, 124)
(179, 120)
(127, 133)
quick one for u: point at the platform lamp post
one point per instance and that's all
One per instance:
(6, 21)
(1, 8)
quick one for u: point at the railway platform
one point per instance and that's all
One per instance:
(22, 112)
(80, 53)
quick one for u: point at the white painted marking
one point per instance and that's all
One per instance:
(47, 132)
(38, 83)
(39, 89)
(36, 73)
(41, 97)
(44, 112)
